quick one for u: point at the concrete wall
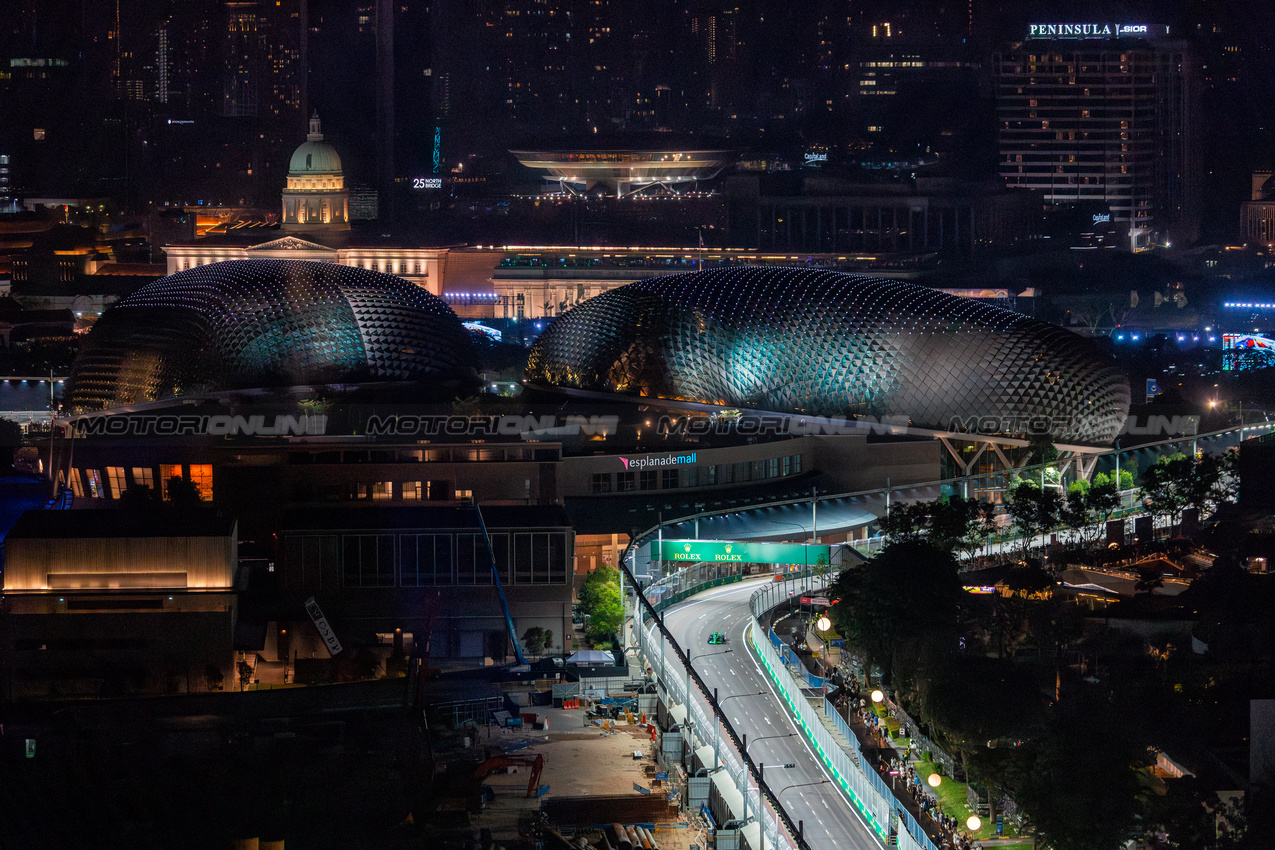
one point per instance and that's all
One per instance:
(120, 562)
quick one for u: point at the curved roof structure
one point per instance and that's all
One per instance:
(624, 171)
(832, 344)
(314, 156)
(258, 323)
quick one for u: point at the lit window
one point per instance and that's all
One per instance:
(96, 490)
(168, 471)
(411, 490)
(115, 481)
(76, 487)
(201, 475)
(144, 476)
(383, 490)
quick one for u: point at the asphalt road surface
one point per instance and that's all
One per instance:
(830, 820)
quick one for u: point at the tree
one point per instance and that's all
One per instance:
(1033, 511)
(600, 600)
(213, 676)
(957, 524)
(908, 591)
(904, 522)
(1079, 794)
(1149, 578)
(546, 640)
(533, 640)
(1076, 511)
(245, 674)
(951, 523)
(1104, 496)
(1041, 449)
(183, 493)
(138, 496)
(1177, 482)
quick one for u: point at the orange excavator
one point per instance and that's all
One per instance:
(536, 763)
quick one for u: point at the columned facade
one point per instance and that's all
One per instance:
(316, 198)
(422, 266)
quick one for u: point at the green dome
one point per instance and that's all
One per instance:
(315, 157)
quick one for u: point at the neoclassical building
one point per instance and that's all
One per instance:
(422, 266)
(315, 198)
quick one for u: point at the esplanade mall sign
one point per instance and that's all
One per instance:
(1089, 30)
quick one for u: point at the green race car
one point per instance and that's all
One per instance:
(716, 638)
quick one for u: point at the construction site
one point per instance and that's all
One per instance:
(587, 774)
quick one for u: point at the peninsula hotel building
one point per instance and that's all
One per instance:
(1103, 120)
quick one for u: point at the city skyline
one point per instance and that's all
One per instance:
(183, 103)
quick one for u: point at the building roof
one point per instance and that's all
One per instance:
(265, 323)
(314, 156)
(43, 524)
(825, 343)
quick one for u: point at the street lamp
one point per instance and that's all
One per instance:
(761, 765)
(763, 738)
(689, 659)
(801, 826)
(974, 824)
(717, 721)
(934, 780)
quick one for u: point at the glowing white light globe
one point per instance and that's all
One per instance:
(934, 780)
(974, 823)
(877, 696)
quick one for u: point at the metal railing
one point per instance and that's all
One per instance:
(866, 790)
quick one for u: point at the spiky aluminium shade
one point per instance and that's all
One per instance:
(833, 344)
(262, 323)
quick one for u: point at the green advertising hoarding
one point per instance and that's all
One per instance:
(731, 551)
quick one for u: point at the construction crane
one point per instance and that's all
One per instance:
(500, 590)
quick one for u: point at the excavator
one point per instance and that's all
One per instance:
(536, 763)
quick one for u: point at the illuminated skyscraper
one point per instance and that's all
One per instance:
(1104, 118)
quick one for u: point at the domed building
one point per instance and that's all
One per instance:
(266, 323)
(824, 343)
(315, 198)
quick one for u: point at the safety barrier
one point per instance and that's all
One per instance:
(672, 678)
(865, 788)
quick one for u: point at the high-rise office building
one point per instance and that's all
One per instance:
(913, 79)
(1103, 120)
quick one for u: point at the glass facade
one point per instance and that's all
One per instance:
(439, 559)
(825, 343)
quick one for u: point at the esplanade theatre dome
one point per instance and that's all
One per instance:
(265, 323)
(827, 343)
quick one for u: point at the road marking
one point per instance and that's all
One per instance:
(843, 798)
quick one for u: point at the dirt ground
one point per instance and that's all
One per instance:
(580, 760)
